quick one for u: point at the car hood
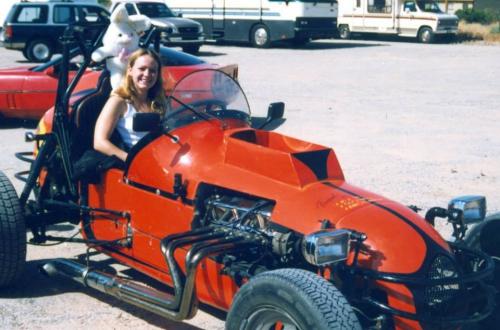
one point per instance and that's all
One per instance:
(174, 21)
(445, 17)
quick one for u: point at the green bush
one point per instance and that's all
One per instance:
(105, 3)
(482, 16)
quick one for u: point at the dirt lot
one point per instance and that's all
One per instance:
(416, 123)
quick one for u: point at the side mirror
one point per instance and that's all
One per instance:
(274, 111)
(145, 122)
(473, 208)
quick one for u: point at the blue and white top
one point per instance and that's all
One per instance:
(124, 127)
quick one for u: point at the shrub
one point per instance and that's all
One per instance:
(481, 16)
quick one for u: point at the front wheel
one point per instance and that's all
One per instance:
(344, 32)
(290, 299)
(425, 35)
(260, 36)
(12, 234)
(484, 236)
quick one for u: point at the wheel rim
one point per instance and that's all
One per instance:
(260, 36)
(343, 33)
(41, 51)
(270, 317)
(426, 36)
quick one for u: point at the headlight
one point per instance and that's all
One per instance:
(326, 247)
(200, 28)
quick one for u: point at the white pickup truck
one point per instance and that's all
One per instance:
(422, 19)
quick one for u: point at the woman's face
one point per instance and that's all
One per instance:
(144, 72)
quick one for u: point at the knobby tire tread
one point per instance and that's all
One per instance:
(333, 306)
(12, 234)
(322, 306)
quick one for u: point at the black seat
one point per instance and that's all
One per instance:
(88, 163)
(85, 113)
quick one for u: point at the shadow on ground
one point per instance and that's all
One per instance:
(314, 45)
(34, 284)
(17, 123)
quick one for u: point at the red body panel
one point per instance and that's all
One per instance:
(264, 166)
(27, 94)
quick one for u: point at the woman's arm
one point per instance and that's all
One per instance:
(114, 108)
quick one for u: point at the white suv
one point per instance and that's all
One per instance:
(177, 31)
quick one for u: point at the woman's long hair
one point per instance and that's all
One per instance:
(156, 94)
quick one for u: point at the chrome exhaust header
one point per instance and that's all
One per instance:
(180, 306)
(134, 293)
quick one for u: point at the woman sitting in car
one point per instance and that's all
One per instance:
(141, 91)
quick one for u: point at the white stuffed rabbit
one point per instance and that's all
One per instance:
(120, 40)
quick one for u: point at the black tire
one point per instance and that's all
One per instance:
(425, 35)
(25, 53)
(485, 236)
(344, 32)
(193, 49)
(290, 297)
(12, 234)
(40, 50)
(260, 36)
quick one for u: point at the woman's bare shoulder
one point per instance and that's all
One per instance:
(117, 103)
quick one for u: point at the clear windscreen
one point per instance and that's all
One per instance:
(205, 95)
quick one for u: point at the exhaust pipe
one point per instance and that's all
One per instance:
(134, 293)
(183, 305)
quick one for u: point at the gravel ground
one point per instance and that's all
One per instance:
(416, 123)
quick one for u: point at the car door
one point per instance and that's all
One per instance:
(62, 15)
(37, 94)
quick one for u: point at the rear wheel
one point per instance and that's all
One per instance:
(25, 53)
(39, 50)
(344, 32)
(425, 35)
(260, 36)
(290, 299)
(12, 234)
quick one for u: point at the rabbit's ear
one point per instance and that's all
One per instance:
(139, 23)
(120, 14)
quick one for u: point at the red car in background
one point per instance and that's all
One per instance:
(27, 92)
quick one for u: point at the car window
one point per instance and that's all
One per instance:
(64, 14)
(31, 14)
(131, 9)
(152, 9)
(93, 14)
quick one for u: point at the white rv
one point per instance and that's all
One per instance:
(408, 18)
(262, 21)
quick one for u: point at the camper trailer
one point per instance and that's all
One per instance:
(262, 22)
(422, 19)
